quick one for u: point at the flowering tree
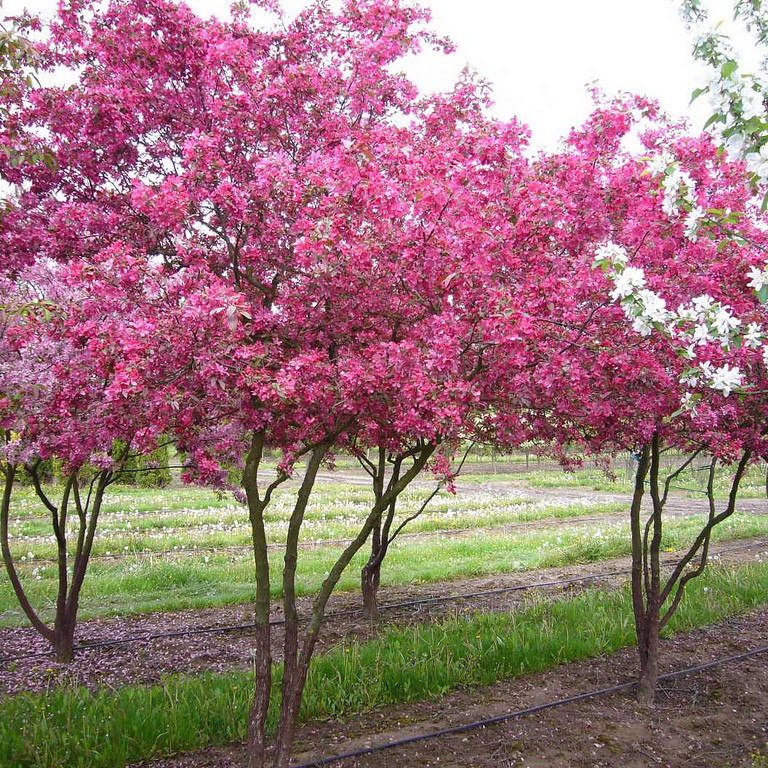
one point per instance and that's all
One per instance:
(736, 95)
(77, 383)
(673, 355)
(18, 61)
(276, 172)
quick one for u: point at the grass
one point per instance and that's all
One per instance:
(139, 585)
(691, 483)
(110, 728)
(334, 513)
(760, 757)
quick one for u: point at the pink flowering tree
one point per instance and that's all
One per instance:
(663, 347)
(78, 384)
(270, 163)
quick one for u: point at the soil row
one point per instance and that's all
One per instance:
(147, 661)
(708, 720)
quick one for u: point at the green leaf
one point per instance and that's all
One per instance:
(717, 117)
(695, 95)
(728, 68)
(762, 294)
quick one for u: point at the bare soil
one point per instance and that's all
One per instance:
(147, 661)
(716, 719)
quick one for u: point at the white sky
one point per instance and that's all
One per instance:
(540, 56)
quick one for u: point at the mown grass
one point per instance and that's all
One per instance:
(110, 728)
(691, 483)
(139, 585)
(329, 517)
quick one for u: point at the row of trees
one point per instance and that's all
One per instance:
(265, 239)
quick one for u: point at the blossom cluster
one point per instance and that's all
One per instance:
(693, 325)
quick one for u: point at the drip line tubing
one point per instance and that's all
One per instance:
(523, 712)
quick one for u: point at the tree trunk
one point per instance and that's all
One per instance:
(257, 737)
(649, 663)
(64, 639)
(297, 669)
(293, 690)
(370, 577)
(257, 717)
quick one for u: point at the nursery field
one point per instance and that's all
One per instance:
(491, 586)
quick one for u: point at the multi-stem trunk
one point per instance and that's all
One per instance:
(383, 533)
(370, 575)
(297, 655)
(62, 634)
(257, 717)
(642, 628)
(654, 599)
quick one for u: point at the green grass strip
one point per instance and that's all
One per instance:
(165, 584)
(111, 728)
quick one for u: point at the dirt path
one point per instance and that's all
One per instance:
(146, 661)
(713, 719)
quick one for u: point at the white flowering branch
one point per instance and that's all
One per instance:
(693, 326)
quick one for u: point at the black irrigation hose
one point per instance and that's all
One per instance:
(522, 712)
(332, 615)
(353, 611)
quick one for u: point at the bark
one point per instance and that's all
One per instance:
(257, 737)
(638, 557)
(370, 575)
(64, 639)
(293, 687)
(649, 663)
(369, 585)
(294, 668)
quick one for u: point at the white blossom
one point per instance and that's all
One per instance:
(686, 312)
(692, 223)
(735, 144)
(642, 325)
(690, 378)
(688, 403)
(725, 322)
(757, 277)
(654, 307)
(612, 253)
(702, 305)
(726, 379)
(751, 103)
(627, 282)
(701, 334)
(669, 205)
(753, 336)
(707, 369)
(659, 163)
(757, 162)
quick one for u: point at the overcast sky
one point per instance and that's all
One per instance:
(540, 56)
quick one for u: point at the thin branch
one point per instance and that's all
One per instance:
(703, 538)
(677, 472)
